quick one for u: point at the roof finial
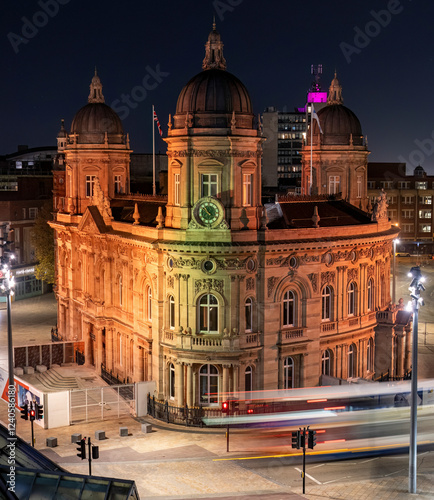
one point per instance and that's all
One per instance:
(214, 58)
(95, 94)
(213, 23)
(335, 92)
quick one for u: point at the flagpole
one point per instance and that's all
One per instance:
(154, 189)
(311, 138)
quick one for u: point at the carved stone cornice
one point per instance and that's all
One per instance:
(214, 153)
(208, 284)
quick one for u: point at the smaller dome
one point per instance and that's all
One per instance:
(92, 122)
(419, 171)
(339, 125)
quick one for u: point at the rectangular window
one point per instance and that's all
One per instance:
(425, 228)
(408, 200)
(177, 187)
(33, 213)
(425, 200)
(403, 185)
(391, 200)
(408, 214)
(386, 184)
(334, 184)
(421, 185)
(90, 185)
(392, 213)
(425, 214)
(247, 190)
(359, 186)
(371, 184)
(118, 184)
(408, 228)
(209, 184)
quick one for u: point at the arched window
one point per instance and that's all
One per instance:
(326, 310)
(171, 312)
(288, 373)
(208, 385)
(351, 296)
(248, 309)
(351, 361)
(149, 303)
(208, 314)
(325, 361)
(121, 297)
(288, 309)
(248, 379)
(370, 356)
(171, 381)
(370, 293)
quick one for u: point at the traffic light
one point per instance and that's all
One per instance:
(39, 409)
(225, 407)
(296, 439)
(81, 448)
(25, 412)
(32, 414)
(311, 439)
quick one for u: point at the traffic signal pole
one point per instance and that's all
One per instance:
(304, 459)
(90, 456)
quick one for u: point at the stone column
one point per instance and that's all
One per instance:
(225, 378)
(407, 354)
(109, 348)
(301, 372)
(179, 391)
(165, 379)
(190, 401)
(400, 354)
(235, 371)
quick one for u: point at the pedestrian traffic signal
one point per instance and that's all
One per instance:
(81, 448)
(296, 439)
(25, 412)
(225, 407)
(311, 439)
(32, 414)
(39, 409)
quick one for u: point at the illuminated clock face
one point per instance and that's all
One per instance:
(208, 212)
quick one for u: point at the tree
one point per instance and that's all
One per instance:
(42, 237)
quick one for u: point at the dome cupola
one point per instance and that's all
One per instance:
(97, 123)
(214, 98)
(340, 126)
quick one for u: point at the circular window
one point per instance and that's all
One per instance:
(328, 259)
(251, 265)
(293, 262)
(353, 256)
(209, 266)
(170, 263)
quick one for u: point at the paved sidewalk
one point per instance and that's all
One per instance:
(175, 462)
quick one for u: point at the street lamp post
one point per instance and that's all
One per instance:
(415, 288)
(7, 287)
(395, 242)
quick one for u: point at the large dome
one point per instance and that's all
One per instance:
(93, 121)
(212, 97)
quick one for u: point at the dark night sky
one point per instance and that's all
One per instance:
(269, 45)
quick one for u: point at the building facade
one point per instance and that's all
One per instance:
(26, 182)
(410, 201)
(206, 291)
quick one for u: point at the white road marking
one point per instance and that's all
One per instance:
(308, 475)
(370, 460)
(316, 466)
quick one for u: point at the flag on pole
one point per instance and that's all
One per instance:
(158, 123)
(315, 117)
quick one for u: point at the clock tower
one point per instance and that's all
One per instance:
(214, 150)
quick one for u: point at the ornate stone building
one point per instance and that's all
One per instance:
(207, 291)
